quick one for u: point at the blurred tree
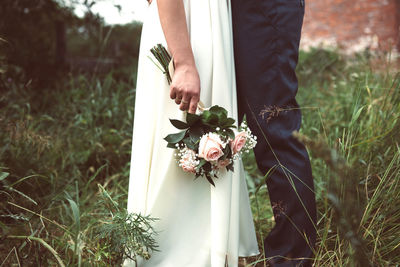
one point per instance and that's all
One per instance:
(35, 34)
(102, 49)
(44, 39)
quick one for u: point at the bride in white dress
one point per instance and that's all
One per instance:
(199, 225)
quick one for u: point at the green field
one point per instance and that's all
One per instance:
(65, 154)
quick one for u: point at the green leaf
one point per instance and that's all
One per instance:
(201, 164)
(222, 120)
(227, 152)
(189, 143)
(3, 175)
(228, 122)
(230, 133)
(230, 167)
(75, 212)
(196, 133)
(22, 194)
(211, 119)
(207, 166)
(179, 124)
(356, 115)
(194, 140)
(175, 138)
(192, 118)
(171, 145)
(219, 110)
(206, 115)
(218, 116)
(210, 179)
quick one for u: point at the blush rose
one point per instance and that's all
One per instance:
(238, 143)
(210, 147)
(223, 163)
(187, 163)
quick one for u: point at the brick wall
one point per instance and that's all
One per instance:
(352, 24)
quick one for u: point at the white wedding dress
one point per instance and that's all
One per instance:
(199, 225)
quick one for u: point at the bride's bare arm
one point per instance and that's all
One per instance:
(185, 86)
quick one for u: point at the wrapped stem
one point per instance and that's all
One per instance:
(164, 58)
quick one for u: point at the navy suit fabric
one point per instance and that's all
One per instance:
(266, 44)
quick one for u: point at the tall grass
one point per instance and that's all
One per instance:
(61, 151)
(356, 160)
(65, 153)
(351, 109)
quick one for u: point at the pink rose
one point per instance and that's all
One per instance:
(223, 163)
(187, 161)
(188, 168)
(210, 147)
(239, 142)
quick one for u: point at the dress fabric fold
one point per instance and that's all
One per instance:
(199, 225)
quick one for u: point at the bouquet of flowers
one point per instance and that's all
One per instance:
(208, 142)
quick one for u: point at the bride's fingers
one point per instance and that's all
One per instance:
(193, 105)
(184, 103)
(178, 100)
(172, 92)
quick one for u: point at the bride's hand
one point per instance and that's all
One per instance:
(185, 87)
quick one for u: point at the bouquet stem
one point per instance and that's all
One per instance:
(164, 58)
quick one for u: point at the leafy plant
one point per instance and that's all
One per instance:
(127, 235)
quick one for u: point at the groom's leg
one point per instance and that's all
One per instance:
(266, 41)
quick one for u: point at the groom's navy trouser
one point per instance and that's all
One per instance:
(266, 44)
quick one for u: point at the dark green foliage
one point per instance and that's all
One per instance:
(175, 138)
(43, 40)
(197, 125)
(66, 141)
(179, 124)
(30, 29)
(128, 235)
